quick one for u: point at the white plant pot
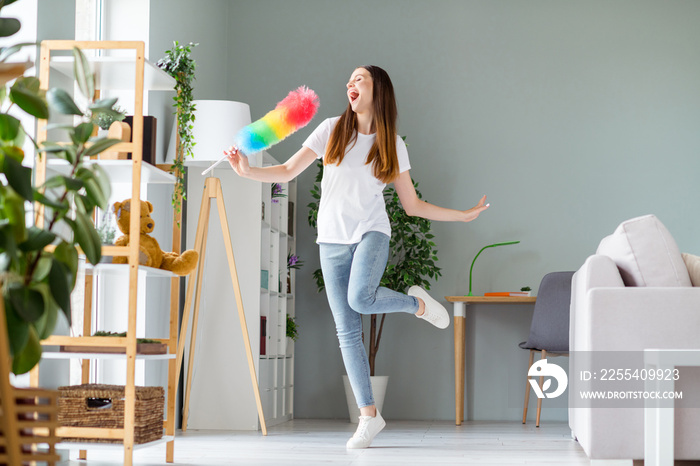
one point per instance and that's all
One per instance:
(379, 383)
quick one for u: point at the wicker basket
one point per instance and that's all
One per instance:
(93, 405)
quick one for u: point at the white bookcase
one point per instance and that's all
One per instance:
(222, 396)
(278, 238)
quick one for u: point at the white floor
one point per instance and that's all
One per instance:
(311, 442)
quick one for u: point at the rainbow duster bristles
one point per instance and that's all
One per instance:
(293, 113)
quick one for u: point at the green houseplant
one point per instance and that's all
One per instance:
(292, 328)
(38, 249)
(412, 255)
(179, 64)
(105, 119)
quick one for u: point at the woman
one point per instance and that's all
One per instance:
(361, 154)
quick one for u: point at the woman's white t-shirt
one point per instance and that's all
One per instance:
(352, 200)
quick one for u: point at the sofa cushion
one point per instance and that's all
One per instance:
(693, 264)
(645, 253)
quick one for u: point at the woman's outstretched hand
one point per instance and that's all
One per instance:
(474, 212)
(238, 162)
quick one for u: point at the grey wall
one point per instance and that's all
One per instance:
(570, 116)
(204, 23)
(56, 19)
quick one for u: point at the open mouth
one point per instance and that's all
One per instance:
(353, 95)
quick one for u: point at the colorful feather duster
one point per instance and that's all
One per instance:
(293, 113)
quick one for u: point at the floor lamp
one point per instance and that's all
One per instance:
(216, 121)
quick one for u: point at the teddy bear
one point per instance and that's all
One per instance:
(150, 253)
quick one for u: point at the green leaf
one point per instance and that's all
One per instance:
(60, 281)
(62, 102)
(7, 244)
(9, 26)
(87, 237)
(17, 329)
(19, 177)
(82, 133)
(14, 212)
(7, 52)
(43, 267)
(51, 183)
(84, 203)
(72, 184)
(28, 303)
(83, 74)
(45, 325)
(103, 104)
(51, 148)
(30, 355)
(9, 127)
(27, 99)
(101, 145)
(37, 239)
(55, 126)
(102, 179)
(67, 254)
(94, 193)
(55, 205)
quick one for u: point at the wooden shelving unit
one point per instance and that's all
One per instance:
(28, 417)
(122, 73)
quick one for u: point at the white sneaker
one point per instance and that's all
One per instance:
(368, 428)
(435, 313)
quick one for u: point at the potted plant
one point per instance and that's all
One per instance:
(293, 262)
(412, 261)
(276, 192)
(38, 253)
(292, 334)
(105, 119)
(179, 64)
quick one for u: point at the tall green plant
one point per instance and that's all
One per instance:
(39, 259)
(412, 254)
(179, 64)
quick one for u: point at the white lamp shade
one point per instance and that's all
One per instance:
(216, 123)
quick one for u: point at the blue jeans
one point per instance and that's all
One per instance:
(352, 273)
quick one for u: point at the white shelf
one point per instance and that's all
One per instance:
(118, 73)
(116, 269)
(277, 230)
(69, 355)
(110, 446)
(119, 171)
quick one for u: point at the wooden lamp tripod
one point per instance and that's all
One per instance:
(212, 191)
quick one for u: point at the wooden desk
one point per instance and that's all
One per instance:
(459, 303)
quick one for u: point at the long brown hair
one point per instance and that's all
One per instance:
(382, 155)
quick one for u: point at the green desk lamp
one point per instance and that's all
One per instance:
(477, 255)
